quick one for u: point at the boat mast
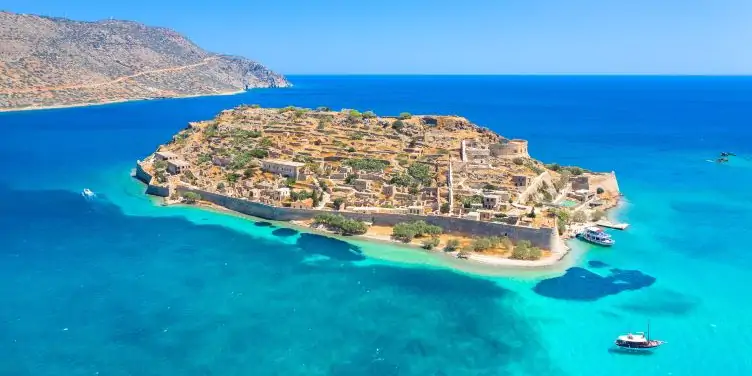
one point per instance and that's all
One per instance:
(648, 330)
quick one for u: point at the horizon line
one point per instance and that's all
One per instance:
(530, 74)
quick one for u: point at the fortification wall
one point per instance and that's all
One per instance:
(154, 190)
(510, 149)
(539, 237)
(142, 175)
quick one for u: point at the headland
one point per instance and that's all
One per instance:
(437, 182)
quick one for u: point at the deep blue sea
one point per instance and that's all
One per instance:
(122, 286)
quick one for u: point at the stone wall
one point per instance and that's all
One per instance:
(539, 237)
(151, 189)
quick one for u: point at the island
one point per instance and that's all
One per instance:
(437, 182)
(48, 62)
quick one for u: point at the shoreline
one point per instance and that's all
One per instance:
(483, 265)
(142, 99)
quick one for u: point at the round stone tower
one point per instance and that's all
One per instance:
(510, 149)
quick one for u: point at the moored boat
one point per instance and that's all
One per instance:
(596, 235)
(637, 341)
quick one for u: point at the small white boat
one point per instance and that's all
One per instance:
(638, 341)
(87, 193)
(596, 235)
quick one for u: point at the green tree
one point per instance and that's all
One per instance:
(398, 125)
(220, 186)
(351, 149)
(430, 243)
(445, 208)
(452, 245)
(600, 191)
(290, 182)
(553, 166)
(232, 177)
(420, 172)
(338, 202)
(191, 197)
(266, 142)
(160, 164)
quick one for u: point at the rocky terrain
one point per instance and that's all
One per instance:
(48, 62)
(363, 162)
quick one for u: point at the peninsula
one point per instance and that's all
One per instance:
(439, 182)
(56, 62)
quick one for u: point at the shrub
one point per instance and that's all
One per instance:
(600, 191)
(490, 187)
(191, 197)
(553, 167)
(232, 177)
(366, 164)
(265, 142)
(420, 172)
(204, 158)
(220, 186)
(323, 109)
(521, 250)
(398, 125)
(351, 149)
(338, 202)
(160, 164)
(338, 223)
(255, 106)
(444, 208)
(481, 244)
(579, 217)
(532, 213)
(369, 115)
(406, 231)
(290, 182)
(518, 161)
(259, 153)
(574, 170)
(405, 115)
(430, 243)
(452, 245)
(401, 180)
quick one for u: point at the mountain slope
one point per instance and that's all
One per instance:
(56, 62)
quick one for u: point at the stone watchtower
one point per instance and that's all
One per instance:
(510, 149)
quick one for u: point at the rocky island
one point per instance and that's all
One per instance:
(439, 182)
(55, 62)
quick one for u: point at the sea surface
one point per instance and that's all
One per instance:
(122, 286)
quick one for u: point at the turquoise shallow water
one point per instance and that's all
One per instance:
(121, 286)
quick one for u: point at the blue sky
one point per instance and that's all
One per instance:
(450, 37)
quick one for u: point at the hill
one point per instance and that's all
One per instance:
(348, 160)
(60, 62)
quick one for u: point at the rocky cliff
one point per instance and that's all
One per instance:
(57, 62)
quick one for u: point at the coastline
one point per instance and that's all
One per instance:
(414, 254)
(58, 107)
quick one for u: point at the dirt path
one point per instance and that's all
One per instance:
(119, 79)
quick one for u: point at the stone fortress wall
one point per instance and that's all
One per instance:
(545, 238)
(510, 149)
(145, 177)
